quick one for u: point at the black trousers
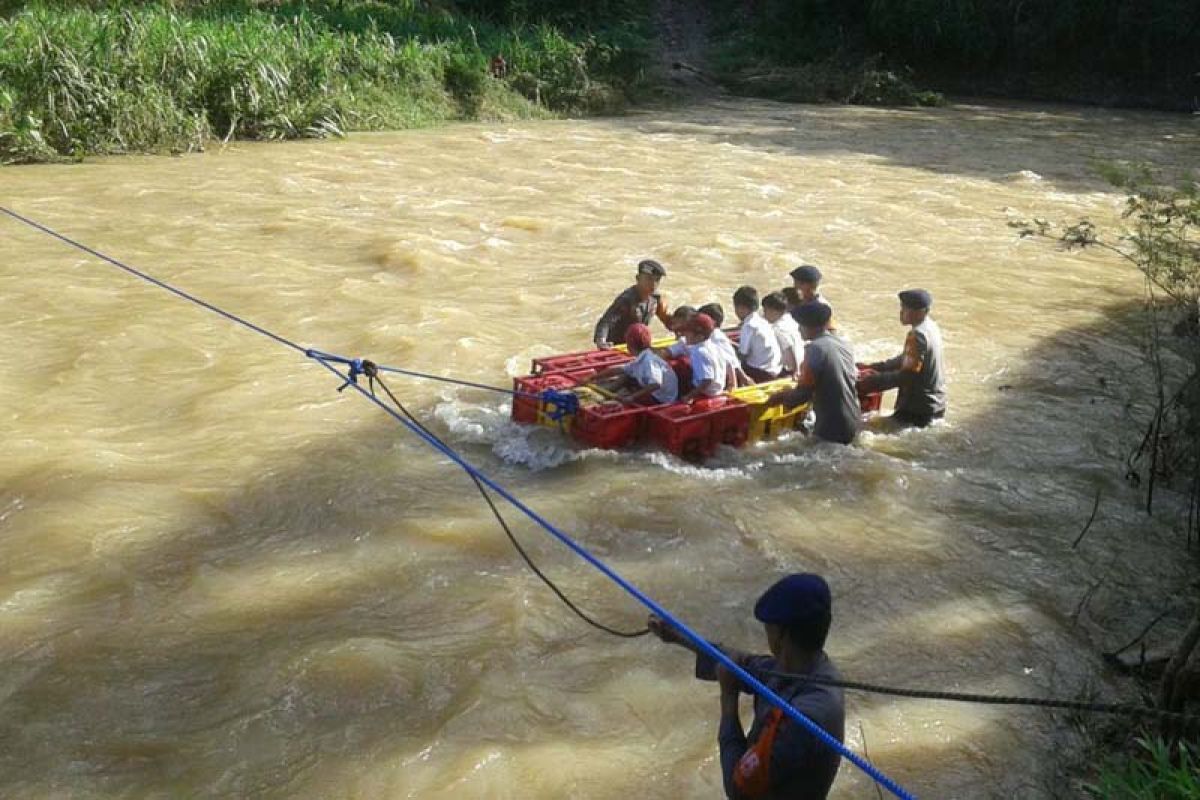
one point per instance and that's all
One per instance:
(909, 419)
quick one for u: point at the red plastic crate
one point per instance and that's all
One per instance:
(693, 432)
(588, 359)
(609, 425)
(526, 405)
(868, 402)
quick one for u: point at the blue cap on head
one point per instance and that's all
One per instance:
(916, 298)
(806, 274)
(803, 597)
(812, 314)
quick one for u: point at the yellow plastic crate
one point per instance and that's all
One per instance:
(767, 423)
(656, 344)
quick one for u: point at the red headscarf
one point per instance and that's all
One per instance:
(637, 337)
(702, 324)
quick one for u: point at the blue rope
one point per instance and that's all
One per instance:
(565, 403)
(758, 686)
(354, 368)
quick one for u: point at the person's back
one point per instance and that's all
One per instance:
(791, 348)
(923, 394)
(835, 398)
(709, 362)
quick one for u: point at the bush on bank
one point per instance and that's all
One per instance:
(129, 77)
(1158, 772)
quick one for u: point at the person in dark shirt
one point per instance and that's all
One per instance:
(640, 303)
(919, 371)
(778, 759)
(827, 377)
(806, 281)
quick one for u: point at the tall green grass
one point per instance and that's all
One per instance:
(1159, 774)
(152, 77)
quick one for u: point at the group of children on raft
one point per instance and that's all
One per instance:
(786, 334)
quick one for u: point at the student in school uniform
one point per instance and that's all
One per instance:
(723, 342)
(758, 347)
(786, 330)
(712, 373)
(648, 379)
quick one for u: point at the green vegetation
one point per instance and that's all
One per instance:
(78, 79)
(1156, 775)
(1107, 51)
(1162, 241)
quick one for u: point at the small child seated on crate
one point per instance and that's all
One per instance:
(647, 379)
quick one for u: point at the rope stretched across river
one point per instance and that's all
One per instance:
(349, 380)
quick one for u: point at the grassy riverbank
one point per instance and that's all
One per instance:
(158, 77)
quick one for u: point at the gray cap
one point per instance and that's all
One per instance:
(918, 299)
(806, 274)
(651, 267)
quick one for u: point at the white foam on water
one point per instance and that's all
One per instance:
(651, 211)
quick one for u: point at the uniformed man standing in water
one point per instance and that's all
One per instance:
(827, 378)
(778, 758)
(639, 303)
(918, 372)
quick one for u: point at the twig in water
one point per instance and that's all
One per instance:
(862, 733)
(1086, 599)
(1091, 519)
(1146, 630)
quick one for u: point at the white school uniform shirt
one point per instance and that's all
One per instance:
(648, 368)
(726, 347)
(708, 364)
(758, 344)
(791, 345)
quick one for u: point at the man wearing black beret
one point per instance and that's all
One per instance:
(778, 758)
(919, 371)
(639, 303)
(827, 378)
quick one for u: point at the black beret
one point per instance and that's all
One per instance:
(795, 599)
(812, 314)
(916, 298)
(806, 274)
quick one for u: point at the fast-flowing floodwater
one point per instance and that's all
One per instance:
(221, 578)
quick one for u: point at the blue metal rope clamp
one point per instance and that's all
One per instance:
(356, 369)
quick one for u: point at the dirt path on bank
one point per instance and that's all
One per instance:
(683, 27)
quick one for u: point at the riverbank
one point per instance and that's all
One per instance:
(899, 52)
(172, 77)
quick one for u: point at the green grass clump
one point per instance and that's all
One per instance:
(1157, 775)
(134, 77)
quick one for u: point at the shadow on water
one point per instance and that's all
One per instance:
(356, 605)
(1058, 143)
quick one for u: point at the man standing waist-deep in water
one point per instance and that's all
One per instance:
(919, 371)
(639, 304)
(827, 378)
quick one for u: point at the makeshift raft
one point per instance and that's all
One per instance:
(556, 394)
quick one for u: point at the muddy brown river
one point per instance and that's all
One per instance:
(219, 577)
